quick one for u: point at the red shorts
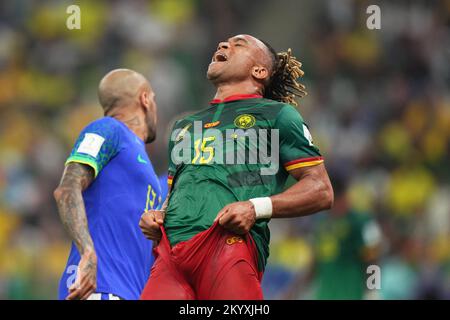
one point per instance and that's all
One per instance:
(215, 264)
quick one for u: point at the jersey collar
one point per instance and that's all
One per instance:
(235, 97)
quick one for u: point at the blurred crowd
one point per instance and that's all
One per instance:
(378, 108)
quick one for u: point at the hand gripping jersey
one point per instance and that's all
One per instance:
(239, 148)
(125, 185)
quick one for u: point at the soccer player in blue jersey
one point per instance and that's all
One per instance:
(107, 183)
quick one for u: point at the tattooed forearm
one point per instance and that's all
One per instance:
(69, 199)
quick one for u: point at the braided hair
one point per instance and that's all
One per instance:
(283, 84)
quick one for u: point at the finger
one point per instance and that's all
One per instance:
(87, 285)
(159, 217)
(74, 295)
(221, 213)
(148, 218)
(152, 235)
(72, 288)
(153, 229)
(148, 235)
(226, 218)
(240, 229)
(76, 284)
(232, 224)
(149, 225)
(88, 293)
(235, 224)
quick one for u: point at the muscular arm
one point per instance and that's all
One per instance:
(68, 195)
(312, 193)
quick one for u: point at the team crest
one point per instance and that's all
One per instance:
(245, 121)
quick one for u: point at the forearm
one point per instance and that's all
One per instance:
(166, 201)
(69, 200)
(73, 216)
(309, 195)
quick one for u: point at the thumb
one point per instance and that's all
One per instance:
(76, 284)
(220, 214)
(159, 217)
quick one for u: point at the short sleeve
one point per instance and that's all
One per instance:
(97, 144)
(172, 167)
(296, 144)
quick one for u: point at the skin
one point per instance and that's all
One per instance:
(246, 71)
(128, 97)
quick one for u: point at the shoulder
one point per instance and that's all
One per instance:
(287, 113)
(278, 108)
(187, 121)
(105, 125)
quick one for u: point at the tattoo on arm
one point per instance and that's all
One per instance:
(166, 202)
(76, 178)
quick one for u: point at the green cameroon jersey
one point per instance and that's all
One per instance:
(340, 244)
(239, 148)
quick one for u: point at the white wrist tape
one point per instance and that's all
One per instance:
(263, 207)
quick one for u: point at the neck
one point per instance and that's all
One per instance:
(225, 90)
(134, 122)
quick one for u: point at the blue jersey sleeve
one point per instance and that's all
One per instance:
(97, 144)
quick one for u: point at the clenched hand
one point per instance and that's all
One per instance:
(150, 224)
(238, 217)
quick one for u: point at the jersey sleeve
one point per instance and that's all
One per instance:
(97, 144)
(172, 167)
(297, 149)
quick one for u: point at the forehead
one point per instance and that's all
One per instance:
(248, 39)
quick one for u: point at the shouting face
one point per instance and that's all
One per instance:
(240, 58)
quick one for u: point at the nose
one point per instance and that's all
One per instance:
(223, 45)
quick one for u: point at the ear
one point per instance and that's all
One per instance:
(144, 99)
(260, 73)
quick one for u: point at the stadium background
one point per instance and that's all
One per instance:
(378, 107)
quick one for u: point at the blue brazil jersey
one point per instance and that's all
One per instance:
(125, 185)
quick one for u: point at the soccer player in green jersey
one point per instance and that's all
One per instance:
(228, 166)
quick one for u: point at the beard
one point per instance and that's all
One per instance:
(151, 128)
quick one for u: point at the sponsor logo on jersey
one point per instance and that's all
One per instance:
(211, 124)
(140, 159)
(234, 239)
(245, 121)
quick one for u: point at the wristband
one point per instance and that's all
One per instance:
(263, 207)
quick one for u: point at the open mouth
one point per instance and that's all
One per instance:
(220, 57)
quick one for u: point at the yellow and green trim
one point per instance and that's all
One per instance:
(84, 160)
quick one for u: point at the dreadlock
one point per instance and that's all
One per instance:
(283, 85)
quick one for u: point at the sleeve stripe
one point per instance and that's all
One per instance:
(169, 180)
(303, 163)
(85, 161)
(287, 164)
